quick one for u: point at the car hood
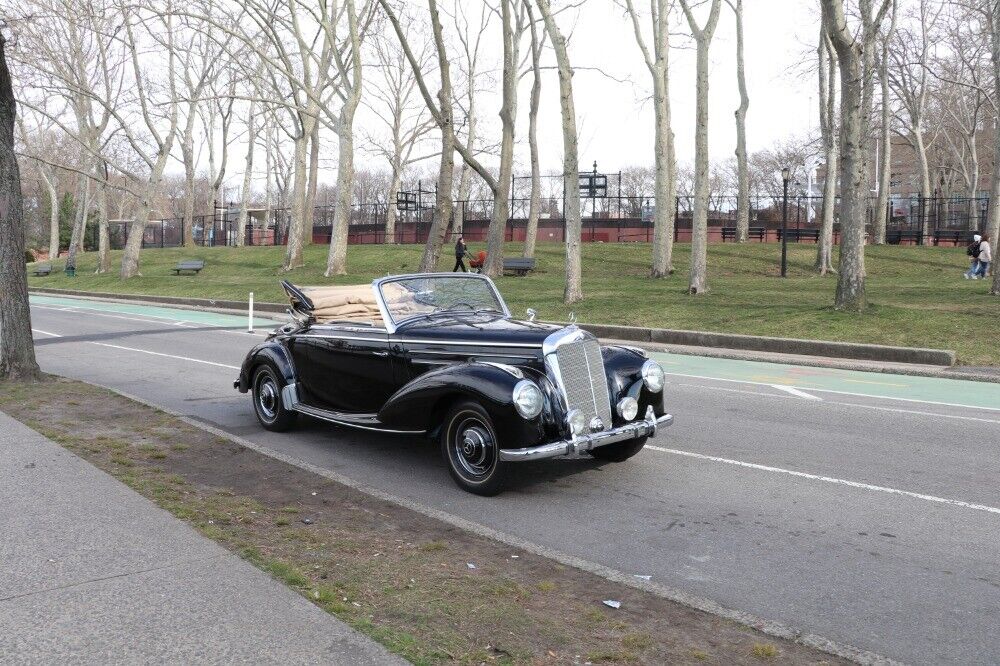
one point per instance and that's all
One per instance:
(477, 328)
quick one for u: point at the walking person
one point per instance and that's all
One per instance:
(973, 251)
(460, 251)
(985, 257)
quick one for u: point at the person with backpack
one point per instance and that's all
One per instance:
(973, 252)
(985, 257)
(460, 252)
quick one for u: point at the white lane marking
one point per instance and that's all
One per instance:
(153, 353)
(830, 479)
(877, 408)
(794, 391)
(54, 335)
(822, 390)
(154, 319)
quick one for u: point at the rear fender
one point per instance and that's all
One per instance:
(421, 404)
(272, 351)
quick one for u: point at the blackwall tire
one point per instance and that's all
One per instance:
(267, 403)
(470, 448)
(619, 452)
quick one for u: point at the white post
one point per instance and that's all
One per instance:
(250, 315)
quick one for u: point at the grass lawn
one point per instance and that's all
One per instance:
(916, 295)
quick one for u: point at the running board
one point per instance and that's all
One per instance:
(290, 398)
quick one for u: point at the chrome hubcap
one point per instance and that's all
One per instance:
(473, 447)
(267, 398)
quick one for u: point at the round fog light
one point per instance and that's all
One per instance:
(628, 408)
(527, 399)
(577, 421)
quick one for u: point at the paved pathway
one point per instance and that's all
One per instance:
(91, 572)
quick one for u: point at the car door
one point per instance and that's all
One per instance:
(350, 368)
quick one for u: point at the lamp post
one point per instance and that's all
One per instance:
(785, 173)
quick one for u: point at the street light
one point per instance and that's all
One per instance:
(785, 175)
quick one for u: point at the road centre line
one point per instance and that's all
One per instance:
(830, 479)
(153, 353)
(794, 391)
(54, 335)
(877, 408)
(823, 390)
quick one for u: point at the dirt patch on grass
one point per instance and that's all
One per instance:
(427, 590)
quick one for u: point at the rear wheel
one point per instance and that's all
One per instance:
(470, 447)
(619, 452)
(267, 403)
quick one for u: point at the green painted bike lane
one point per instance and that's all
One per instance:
(958, 392)
(202, 317)
(982, 395)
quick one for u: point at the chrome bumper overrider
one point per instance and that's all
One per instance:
(583, 443)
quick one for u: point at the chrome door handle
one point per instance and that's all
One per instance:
(381, 353)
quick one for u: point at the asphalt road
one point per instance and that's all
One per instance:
(860, 507)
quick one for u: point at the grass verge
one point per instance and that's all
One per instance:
(917, 295)
(398, 576)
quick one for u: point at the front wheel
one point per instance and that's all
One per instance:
(267, 404)
(621, 451)
(470, 447)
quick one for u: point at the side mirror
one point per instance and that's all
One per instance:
(532, 313)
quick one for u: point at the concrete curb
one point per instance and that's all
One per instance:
(738, 344)
(765, 626)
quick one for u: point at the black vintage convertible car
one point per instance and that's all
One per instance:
(440, 354)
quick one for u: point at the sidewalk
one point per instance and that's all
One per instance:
(90, 572)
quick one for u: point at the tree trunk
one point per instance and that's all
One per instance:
(241, 219)
(573, 291)
(293, 248)
(53, 192)
(923, 168)
(310, 210)
(187, 156)
(133, 244)
(534, 203)
(391, 210)
(17, 349)
(103, 241)
(828, 114)
(885, 164)
(742, 174)
(994, 211)
(79, 218)
(508, 114)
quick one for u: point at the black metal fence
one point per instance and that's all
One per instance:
(615, 218)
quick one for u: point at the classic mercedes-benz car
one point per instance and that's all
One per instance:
(440, 354)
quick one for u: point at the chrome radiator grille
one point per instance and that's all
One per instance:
(581, 369)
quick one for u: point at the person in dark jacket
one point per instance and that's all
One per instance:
(460, 251)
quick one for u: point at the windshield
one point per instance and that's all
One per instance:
(410, 297)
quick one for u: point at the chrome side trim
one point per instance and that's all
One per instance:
(584, 443)
(335, 417)
(391, 325)
(510, 369)
(471, 343)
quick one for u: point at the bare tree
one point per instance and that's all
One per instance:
(395, 104)
(534, 198)
(17, 349)
(827, 67)
(699, 221)
(854, 54)
(349, 90)
(573, 290)
(665, 188)
(742, 175)
(907, 72)
(885, 134)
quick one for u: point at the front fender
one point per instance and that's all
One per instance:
(623, 366)
(421, 404)
(270, 350)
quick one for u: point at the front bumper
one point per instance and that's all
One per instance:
(645, 428)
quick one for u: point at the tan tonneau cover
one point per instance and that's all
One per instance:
(354, 303)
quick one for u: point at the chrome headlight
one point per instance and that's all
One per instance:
(528, 399)
(652, 376)
(628, 408)
(577, 421)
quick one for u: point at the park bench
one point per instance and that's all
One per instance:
(797, 235)
(519, 265)
(194, 265)
(754, 233)
(897, 236)
(43, 270)
(953, 236)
